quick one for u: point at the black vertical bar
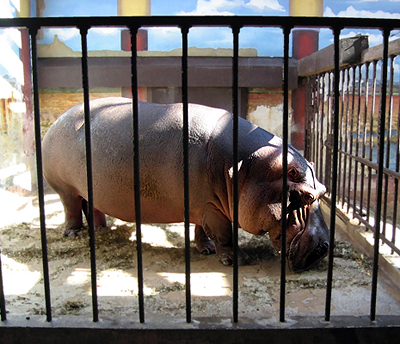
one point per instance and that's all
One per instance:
(336, 32)
(88, 141)
(350, 133)
(365, 132)
(345, 130)
(386, 33)
(318, 123)
(136, 171)
(235, 186)
(321, 129)
(328, 152)
(371, 139)
(285, 149)
(357, 138)
(388, 144)
(322, 126)
(185, 31)
(3, 312)
(396, 181)
(307, 132)
(39, 169)
(343, 75)
(313, 100)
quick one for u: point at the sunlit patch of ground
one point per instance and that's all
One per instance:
(163, 269)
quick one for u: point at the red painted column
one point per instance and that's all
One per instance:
(141, 45)
(27, 117)
(305, 42)
(134, 8)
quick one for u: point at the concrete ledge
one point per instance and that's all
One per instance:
(207, 330)
(356, 235)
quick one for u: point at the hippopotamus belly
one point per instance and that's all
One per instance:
(161, 175)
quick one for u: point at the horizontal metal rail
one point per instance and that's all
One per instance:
(366, 162)
(228, 21)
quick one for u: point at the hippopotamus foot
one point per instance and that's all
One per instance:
(204, 244)
(72, 232)
(77, 232)
(218, 228)
(226, 257)
(74, 224)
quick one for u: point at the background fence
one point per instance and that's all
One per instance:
(368, 135)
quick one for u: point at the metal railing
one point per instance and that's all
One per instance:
(333, 118)
(369, 138)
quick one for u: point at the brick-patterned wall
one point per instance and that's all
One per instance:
(266, 98)
(54, 104)
(265, 109)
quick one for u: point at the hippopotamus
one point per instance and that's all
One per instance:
(260, 176)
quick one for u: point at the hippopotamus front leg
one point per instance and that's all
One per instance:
(219, 229)
(203, 242)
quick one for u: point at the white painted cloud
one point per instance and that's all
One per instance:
(12, 35)
(352, 12)
(164, 38)
(260, 6)
(214, 7)
(63, 34)
(211, 37)
(106, 31)
(6, 10)
(373, 39)
(226, 7)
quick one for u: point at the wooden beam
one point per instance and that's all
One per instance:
(321, 61)
(165, 72)
(375, 53)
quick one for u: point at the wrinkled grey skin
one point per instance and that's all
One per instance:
(161, 163)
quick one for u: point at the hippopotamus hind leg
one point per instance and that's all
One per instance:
(99, 217)
(73, 206)
(219, 229)
(73, 213)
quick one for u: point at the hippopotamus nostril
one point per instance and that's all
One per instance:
(322, 249)
(316, 255)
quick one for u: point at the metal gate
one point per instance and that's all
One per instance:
(332, 329)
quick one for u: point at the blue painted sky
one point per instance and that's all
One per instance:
(268, 42)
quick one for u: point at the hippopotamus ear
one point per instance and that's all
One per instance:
(294, 175)
(230, 171)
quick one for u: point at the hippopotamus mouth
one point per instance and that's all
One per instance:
(310, 260)
(310, 245)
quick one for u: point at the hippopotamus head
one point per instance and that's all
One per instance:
(260, 206)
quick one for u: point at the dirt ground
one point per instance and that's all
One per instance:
(163, 263)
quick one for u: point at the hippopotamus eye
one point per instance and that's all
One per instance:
(307, 198)
(301, 197)
(294, 174)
